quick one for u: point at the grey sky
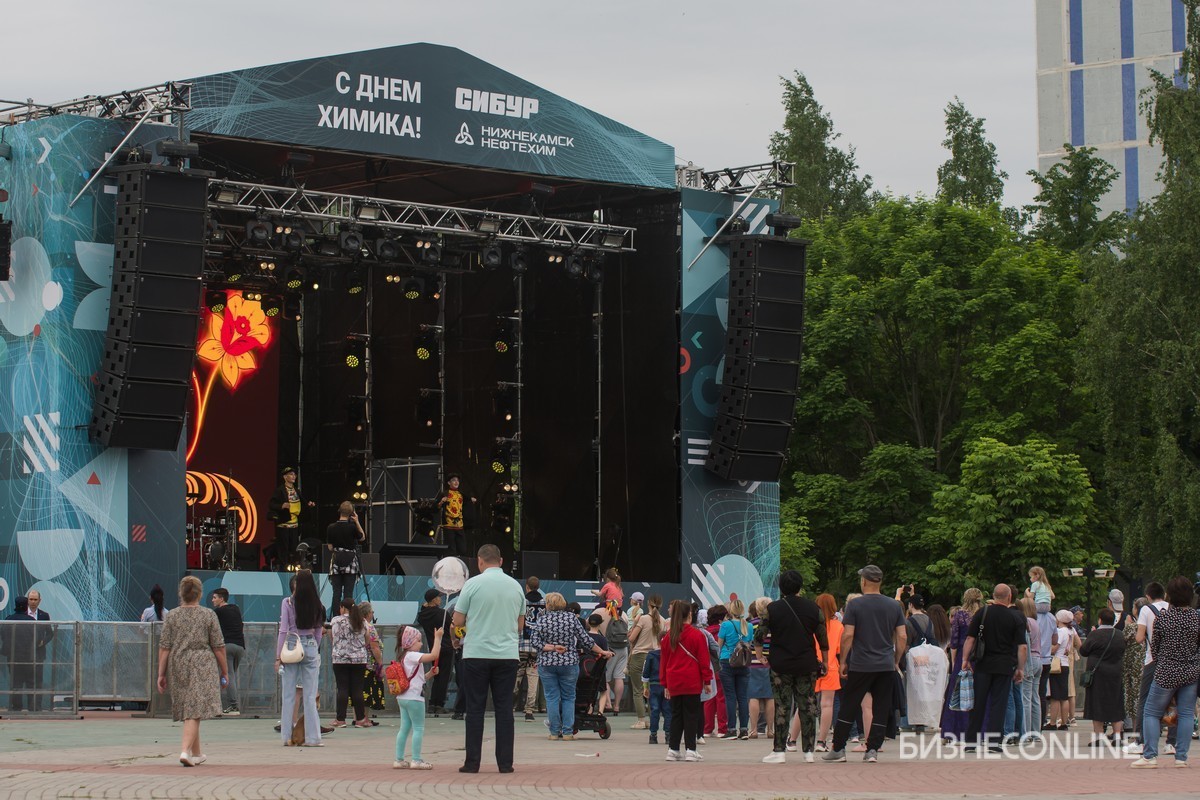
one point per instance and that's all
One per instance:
(700, 75)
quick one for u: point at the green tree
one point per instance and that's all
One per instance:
(826, 176)
(1066, 210)
(1013, 506)
(796, 550)
(1142, 360)
(971, 176)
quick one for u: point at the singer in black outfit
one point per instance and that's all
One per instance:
(343, 538)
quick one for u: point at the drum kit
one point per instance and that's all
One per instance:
(212, 541)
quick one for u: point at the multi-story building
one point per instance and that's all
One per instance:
(1094, 59)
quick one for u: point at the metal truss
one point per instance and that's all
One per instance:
(281, 202)
(739, 180)
(162, 100)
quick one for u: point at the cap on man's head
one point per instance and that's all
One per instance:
(871, 573)
(431, 593)
(286, 470)
(1117, 598)
(637, 596)
(1076, 609)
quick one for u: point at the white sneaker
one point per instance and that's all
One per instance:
(775, 758)
(700, 741)
(675, 755)
(692, 755)
(1168, 750)
(1145, 763)
(400, 765)
(791, 746)
(809, 757)
(1133, 748)
(419, 764)
(1180, 764)
(199, 758)
(640, 725)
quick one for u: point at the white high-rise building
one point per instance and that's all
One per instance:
(1093, 60)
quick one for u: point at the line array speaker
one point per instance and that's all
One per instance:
(762, 358)
(154, 307)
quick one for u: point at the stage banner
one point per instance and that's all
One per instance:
(429, 102)
(730, 528)
(91, 529)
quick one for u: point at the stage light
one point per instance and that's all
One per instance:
(258, 233)
(351, 241)
(328, 248)
(429, 409)
(435, 288)
(781, 223)
(414, 288)
(387, 249)
(488, 225)
(502, 513)
(294, 280)
(272, 305)
(574, 265)
(368, 212)
(506, 403)
(594, 272)
(356, 280)
(491, 256)
(266, 268)
(290, 239)
(356, 412)
(425, 346)
(354, 349)
(612, 239)
(227, 196)
(501, 459)
(506, 335)
(292, 307)
(553, 257)
(432, 254)
(233, 270)
(252, 294)
(214, 300)
(216, 233)
(519, 260)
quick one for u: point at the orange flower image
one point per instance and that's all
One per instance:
(234, 336)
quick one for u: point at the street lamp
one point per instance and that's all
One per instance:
(1090, 574)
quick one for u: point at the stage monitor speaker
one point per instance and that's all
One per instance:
(248, 556)
(540, 563)
(154, 307)
(369, 563)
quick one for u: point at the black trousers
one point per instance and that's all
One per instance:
(991, 697)
(441, 682)
(499, 676)
(460, 695)
(349, 679)
(687, 712)
(284, 545)
(855, 687)
(342, 585)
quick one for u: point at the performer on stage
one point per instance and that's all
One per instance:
(284, 510)
(453, 505)
(342, 538)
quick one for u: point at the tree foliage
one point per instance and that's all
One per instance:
(1142, 360)
(826, 176)
(971, 176)
(1066, 209)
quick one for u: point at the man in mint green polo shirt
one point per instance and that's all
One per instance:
(492, 608)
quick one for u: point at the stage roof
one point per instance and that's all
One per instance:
(432, 104)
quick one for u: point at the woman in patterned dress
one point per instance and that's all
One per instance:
(954, 723)
(1131, 666)
(191, 661)
(373, 694)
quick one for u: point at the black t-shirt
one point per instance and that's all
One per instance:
(792, 622)
(342, 535)
(229, 617)
(1003, 634)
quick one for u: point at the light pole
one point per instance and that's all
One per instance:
(1089, 574)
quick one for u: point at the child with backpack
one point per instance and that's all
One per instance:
(616, 633)
(406, 680)
(652, 690)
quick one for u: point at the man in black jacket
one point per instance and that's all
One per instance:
(791, 623)
(430, 617)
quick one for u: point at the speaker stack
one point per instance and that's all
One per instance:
(762, 358)
(154, 310)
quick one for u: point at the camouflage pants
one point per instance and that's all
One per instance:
(795, 694)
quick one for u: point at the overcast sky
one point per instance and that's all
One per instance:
(701, 75)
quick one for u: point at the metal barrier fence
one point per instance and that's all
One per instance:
(41, 667)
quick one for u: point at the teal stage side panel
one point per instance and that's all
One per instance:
(91, 528)
(429, 102)
(730, 528)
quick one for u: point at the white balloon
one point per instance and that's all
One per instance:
(450, 574)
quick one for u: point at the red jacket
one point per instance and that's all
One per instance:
(679, 672)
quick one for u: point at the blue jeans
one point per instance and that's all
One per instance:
(659, 706)
(304, 674)
(1014, 712)
(736, 681)
(558, 682)
(1030, 698)
(1156, 705)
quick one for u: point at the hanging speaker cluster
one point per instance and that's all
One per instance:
(150, 345)
(762, 358)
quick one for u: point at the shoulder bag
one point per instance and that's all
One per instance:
(1089, 675)
(709, 691)
(978, 651)
(293, 651)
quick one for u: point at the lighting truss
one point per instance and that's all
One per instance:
(324, 207)
(161, 100)
(739, 180)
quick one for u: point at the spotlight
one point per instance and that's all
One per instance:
(216, 234)
(368, 213)
(575, 265)
(351, 241)
(488, 225)
(553, 257)
(429, 409)
(294, 280)
(233, 270)
(414, 289)
(519, 260)
(594, 273)
(265, 267)
(426, 346)
(227, 196)
(252, 294)
(291, 239)
(328, 248)
(506, 338)
(781, 223)
(612, 239)
(432, 254)
(272, 305)
(506, 403)
(258, 233)
(502, 514)
(291, 307)
(435, 288)
(387, 249)
(356, 412)
(355, 350)
(356, 280)
(501, 459)
(214, 300)
(491, 256)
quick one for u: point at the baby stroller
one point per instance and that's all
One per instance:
(587, 696)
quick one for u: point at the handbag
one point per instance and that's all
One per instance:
(963, 696)
(1055, 666)
(1089, 675)
(292, 653)
(709, 691)
(979, 651)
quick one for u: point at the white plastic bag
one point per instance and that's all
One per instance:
(926, 685)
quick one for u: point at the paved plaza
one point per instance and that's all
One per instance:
(118, 756)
